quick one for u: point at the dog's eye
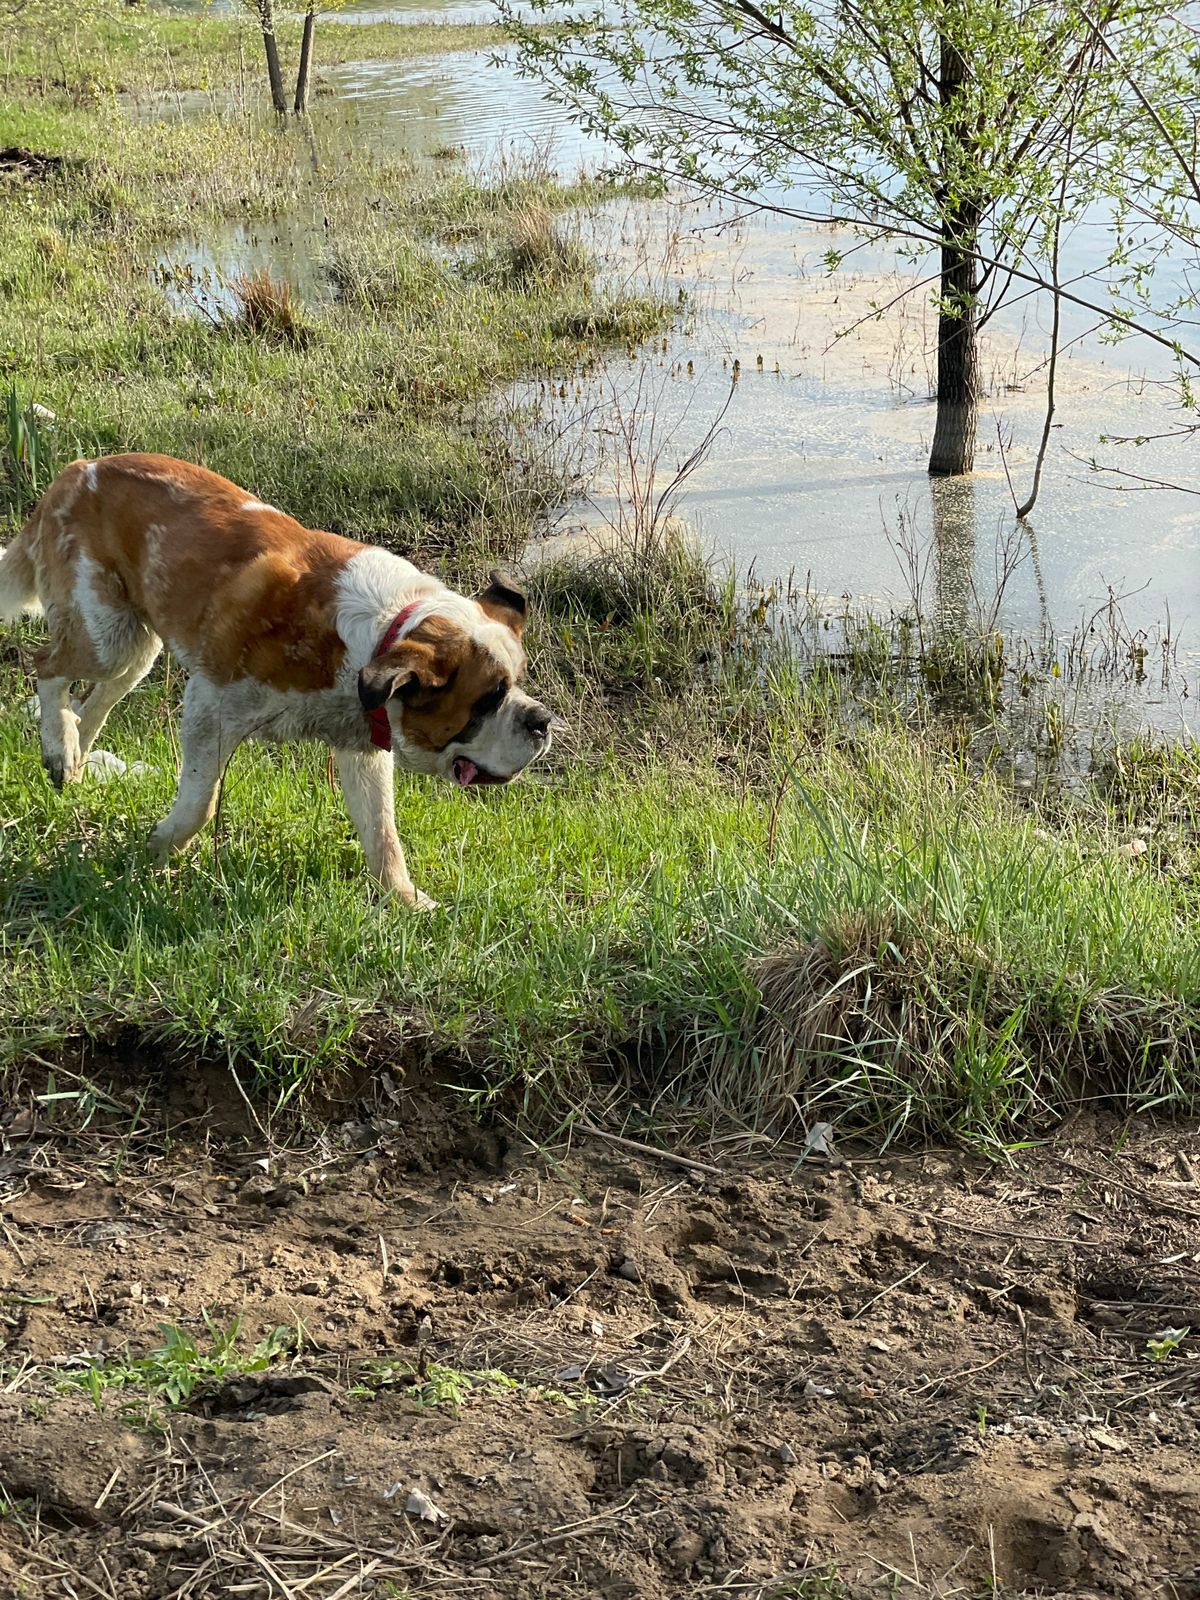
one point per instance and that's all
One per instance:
(489, 702)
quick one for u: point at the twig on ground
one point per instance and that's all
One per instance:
(883, 1293)
(650, 1150)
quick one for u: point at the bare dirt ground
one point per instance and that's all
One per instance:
(929, 1373)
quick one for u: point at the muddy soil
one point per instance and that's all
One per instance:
(581, 1371)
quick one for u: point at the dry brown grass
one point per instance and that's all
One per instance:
(268, 308)
(863, 983)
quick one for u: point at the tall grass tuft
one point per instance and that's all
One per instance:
(268, 308)
(538, 251)
(29, 456)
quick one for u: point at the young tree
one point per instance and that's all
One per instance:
(966, 126)
(264, 12)
(300, 104)
(314, 10)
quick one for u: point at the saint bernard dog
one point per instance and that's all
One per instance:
(285, 633)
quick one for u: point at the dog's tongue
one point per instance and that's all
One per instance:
(465, 772)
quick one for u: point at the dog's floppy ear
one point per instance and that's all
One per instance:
(408, 672)
(504, 602)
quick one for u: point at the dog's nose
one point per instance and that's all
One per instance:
(537, 720)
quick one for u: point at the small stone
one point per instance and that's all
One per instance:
(629, 1270)
(786, 1454)
(260, 1189)
(1108, 1441)
(102, 764)
(158, 1539)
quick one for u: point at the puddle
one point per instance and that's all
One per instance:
(818, 466)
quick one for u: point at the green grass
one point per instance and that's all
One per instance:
(180, 1370)
(437, 1386)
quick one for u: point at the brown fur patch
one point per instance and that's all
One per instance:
(238, 592)
(453, 671)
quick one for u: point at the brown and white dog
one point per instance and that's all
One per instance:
(286, 633)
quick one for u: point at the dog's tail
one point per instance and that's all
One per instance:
(18, 575)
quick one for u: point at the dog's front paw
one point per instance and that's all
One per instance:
(60, 771)
(161, 846)
(415, 900)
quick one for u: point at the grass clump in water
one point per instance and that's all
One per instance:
(268, 308)
(538, 251)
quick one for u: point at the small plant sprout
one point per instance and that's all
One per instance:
(1165, 1343)
(179, 1369)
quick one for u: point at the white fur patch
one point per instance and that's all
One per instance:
(375, 585)
(259, 505)
(116, 631)
(92, 476)
(371, 588)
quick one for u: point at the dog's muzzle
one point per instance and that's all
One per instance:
(528, 736)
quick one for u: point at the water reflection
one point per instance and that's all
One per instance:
(463, 101)
(471, 102)
(955, 612)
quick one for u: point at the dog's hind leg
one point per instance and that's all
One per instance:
(60, 729)
(108, 692)
(367, 783)
(208, 741)
(113, 666)
(97, 635)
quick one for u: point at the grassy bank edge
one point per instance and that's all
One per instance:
(861, 928)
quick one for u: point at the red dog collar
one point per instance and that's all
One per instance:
(381, 728)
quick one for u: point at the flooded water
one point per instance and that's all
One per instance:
(461, 101)
(817, 465)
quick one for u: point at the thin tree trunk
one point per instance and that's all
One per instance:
(266, 17)
(301, 102)
(1048, 422)
(958, 388)
(1055, 326)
